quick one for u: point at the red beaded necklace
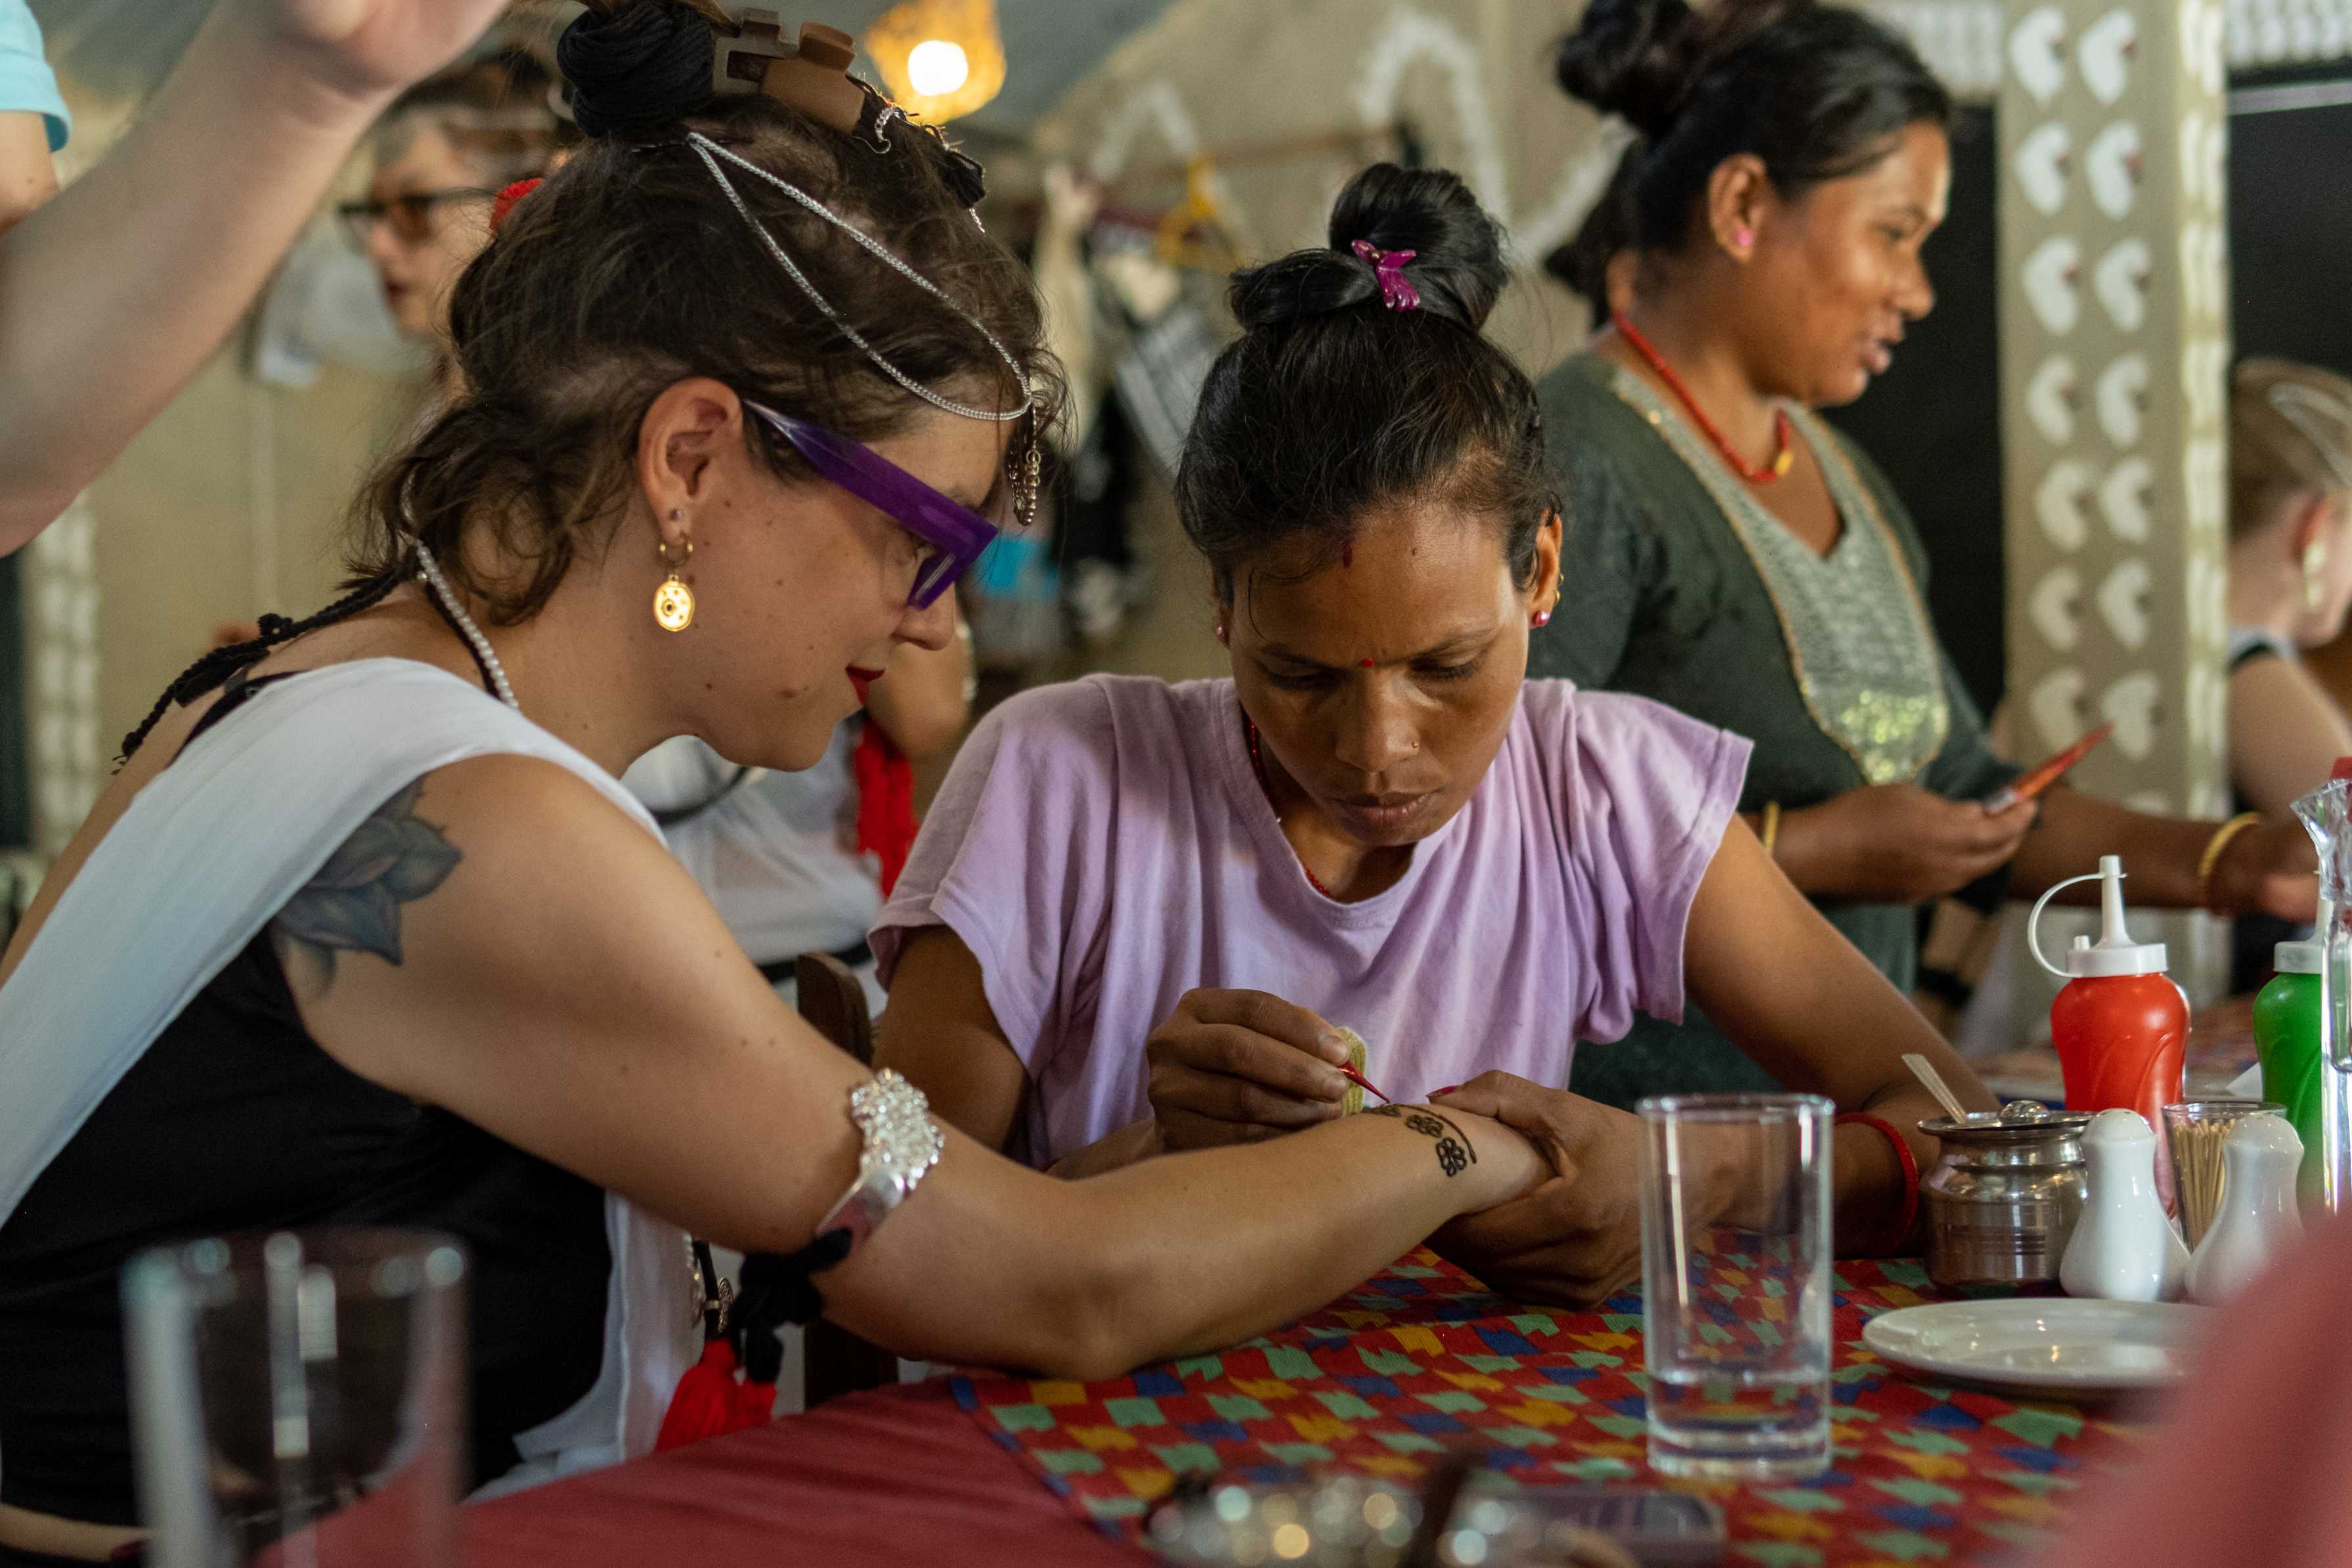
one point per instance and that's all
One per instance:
(1257, 766)
(1783, 454)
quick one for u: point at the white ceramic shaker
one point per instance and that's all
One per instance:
(2258, 1219)
(2123, 1247)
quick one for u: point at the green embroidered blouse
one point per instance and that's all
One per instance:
(1676, 585)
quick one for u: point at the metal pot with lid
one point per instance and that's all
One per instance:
(2004, 1197)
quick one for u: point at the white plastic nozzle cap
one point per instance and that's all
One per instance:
(2298, 957)
(2115, 953)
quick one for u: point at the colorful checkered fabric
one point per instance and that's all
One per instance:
(1424, 1359)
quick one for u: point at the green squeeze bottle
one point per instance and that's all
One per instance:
(2286, 1035)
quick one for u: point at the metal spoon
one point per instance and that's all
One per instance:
(1925, 1071)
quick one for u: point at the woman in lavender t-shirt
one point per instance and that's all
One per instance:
(1139, 912)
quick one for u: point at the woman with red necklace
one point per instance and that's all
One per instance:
(1732, 556)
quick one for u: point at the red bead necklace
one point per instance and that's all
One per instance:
(1783, 453)
(1257, 766)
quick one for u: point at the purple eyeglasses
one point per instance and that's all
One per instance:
(956, 534)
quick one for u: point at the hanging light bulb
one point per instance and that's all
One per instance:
(936, 66)
(940, 58)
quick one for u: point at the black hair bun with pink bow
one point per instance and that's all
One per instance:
(1457, 270)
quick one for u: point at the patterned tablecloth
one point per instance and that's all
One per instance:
(1424, 1359)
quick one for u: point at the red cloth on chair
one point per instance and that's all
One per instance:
(885, 802)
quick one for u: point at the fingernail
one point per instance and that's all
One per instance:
(1449, 1089)
(1334, 1049)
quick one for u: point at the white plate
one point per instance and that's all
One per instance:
(2046, 1344)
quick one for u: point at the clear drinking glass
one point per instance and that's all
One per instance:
(299, 1398)
(1737, 1283)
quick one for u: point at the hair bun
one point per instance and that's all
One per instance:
(1632, 58)
(1457, 266)
(636, 67)
(1642, 59)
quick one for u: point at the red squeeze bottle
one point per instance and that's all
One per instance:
(2120, 1024)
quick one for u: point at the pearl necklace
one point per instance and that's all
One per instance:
(482, 650)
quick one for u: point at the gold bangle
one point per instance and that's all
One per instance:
(1771, 833)
(2212, 855)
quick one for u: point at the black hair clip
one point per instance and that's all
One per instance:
(962, 171)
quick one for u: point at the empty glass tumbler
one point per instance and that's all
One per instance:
(1737, 1283)
(299, 1398)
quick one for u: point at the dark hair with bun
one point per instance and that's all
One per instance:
(629, 268)
(1817, 92)
(1331, 405)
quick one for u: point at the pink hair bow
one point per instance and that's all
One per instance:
(1397, 291)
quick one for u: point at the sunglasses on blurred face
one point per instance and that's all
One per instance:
(410, 215)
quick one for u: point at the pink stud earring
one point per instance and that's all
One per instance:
(1542, 619)
(1220, 631)
(1743, 237)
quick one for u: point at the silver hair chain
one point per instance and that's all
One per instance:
(711, 152)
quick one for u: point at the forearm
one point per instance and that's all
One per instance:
(1173, 1256)
(113, 294)
(2159, 853)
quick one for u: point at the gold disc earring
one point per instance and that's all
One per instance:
(674, 601)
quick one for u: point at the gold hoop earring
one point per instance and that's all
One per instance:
(674, 601)
(2315, 587)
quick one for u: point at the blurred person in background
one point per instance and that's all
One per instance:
(2290, 574)
(1731, 555)
(115, 292)
(442, 153)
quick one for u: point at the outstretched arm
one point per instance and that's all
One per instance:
(566, 987)
(114, 293)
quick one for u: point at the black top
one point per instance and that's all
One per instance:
(235, 1120)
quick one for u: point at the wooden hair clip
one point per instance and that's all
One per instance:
(812, 77)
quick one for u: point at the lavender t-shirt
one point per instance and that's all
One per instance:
(1103, 847)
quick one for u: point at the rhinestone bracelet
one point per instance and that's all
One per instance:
(900, 1145)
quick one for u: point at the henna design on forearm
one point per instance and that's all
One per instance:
(1456, 1152)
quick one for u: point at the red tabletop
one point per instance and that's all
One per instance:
(898, 1475)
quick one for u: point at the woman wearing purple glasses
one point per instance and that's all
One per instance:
(366, 932)
(1139, 913)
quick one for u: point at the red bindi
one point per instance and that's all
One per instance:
(1368, 664)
